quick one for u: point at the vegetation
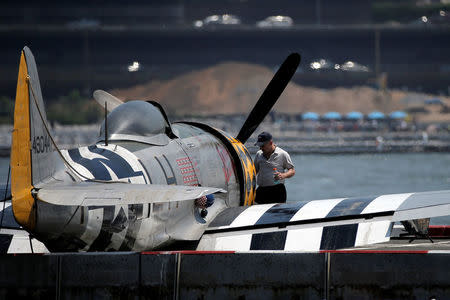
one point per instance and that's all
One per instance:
(69, 109)
(6, 110)
(74, 109)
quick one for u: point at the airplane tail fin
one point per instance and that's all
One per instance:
(33, 160)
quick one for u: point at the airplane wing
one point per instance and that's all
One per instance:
(105, 194)
(321, 224)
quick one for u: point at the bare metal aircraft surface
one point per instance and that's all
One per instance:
(151, 184)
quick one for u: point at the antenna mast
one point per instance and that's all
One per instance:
(106, 123)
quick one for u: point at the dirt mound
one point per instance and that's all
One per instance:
(235, 87)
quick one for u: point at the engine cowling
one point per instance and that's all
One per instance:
(245, 168)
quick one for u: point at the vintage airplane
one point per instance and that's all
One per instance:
(147, 182)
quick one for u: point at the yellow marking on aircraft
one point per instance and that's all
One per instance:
(248, 169)
(22, 200)
(252, 172)
(249, 173)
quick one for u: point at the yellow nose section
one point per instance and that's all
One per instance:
(22, 200)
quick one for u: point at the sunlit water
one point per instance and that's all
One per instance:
(336, 176)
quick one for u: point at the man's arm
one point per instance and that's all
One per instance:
(256, 163)
(289, 166)
(288, 174)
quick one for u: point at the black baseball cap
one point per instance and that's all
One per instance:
(263, 138)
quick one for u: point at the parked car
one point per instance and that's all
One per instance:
(323, 64)
(352, 66)
(442, 18)
(275, 21)
(218, 20)
(83, 24)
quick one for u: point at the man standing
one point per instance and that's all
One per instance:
(273, 165)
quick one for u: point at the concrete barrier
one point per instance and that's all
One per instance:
(129, 275)
(389, 276)
(28, 276)
(94, 275)
(252, 276)
(158, 276)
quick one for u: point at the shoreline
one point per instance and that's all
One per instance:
(292, 140)
(320, 147)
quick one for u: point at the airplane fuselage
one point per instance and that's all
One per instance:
(196, 157)
(142, 185)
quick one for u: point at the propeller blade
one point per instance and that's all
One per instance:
(270, 96)
(103, 97)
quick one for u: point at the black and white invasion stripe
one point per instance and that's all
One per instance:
(308, 226)
(14, 239)
(112, 227)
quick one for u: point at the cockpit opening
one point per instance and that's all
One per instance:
(138, 121)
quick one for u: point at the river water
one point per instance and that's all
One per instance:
(335, 176)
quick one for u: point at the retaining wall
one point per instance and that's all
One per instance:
(194, 275)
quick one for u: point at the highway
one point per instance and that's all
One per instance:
(414, 57)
